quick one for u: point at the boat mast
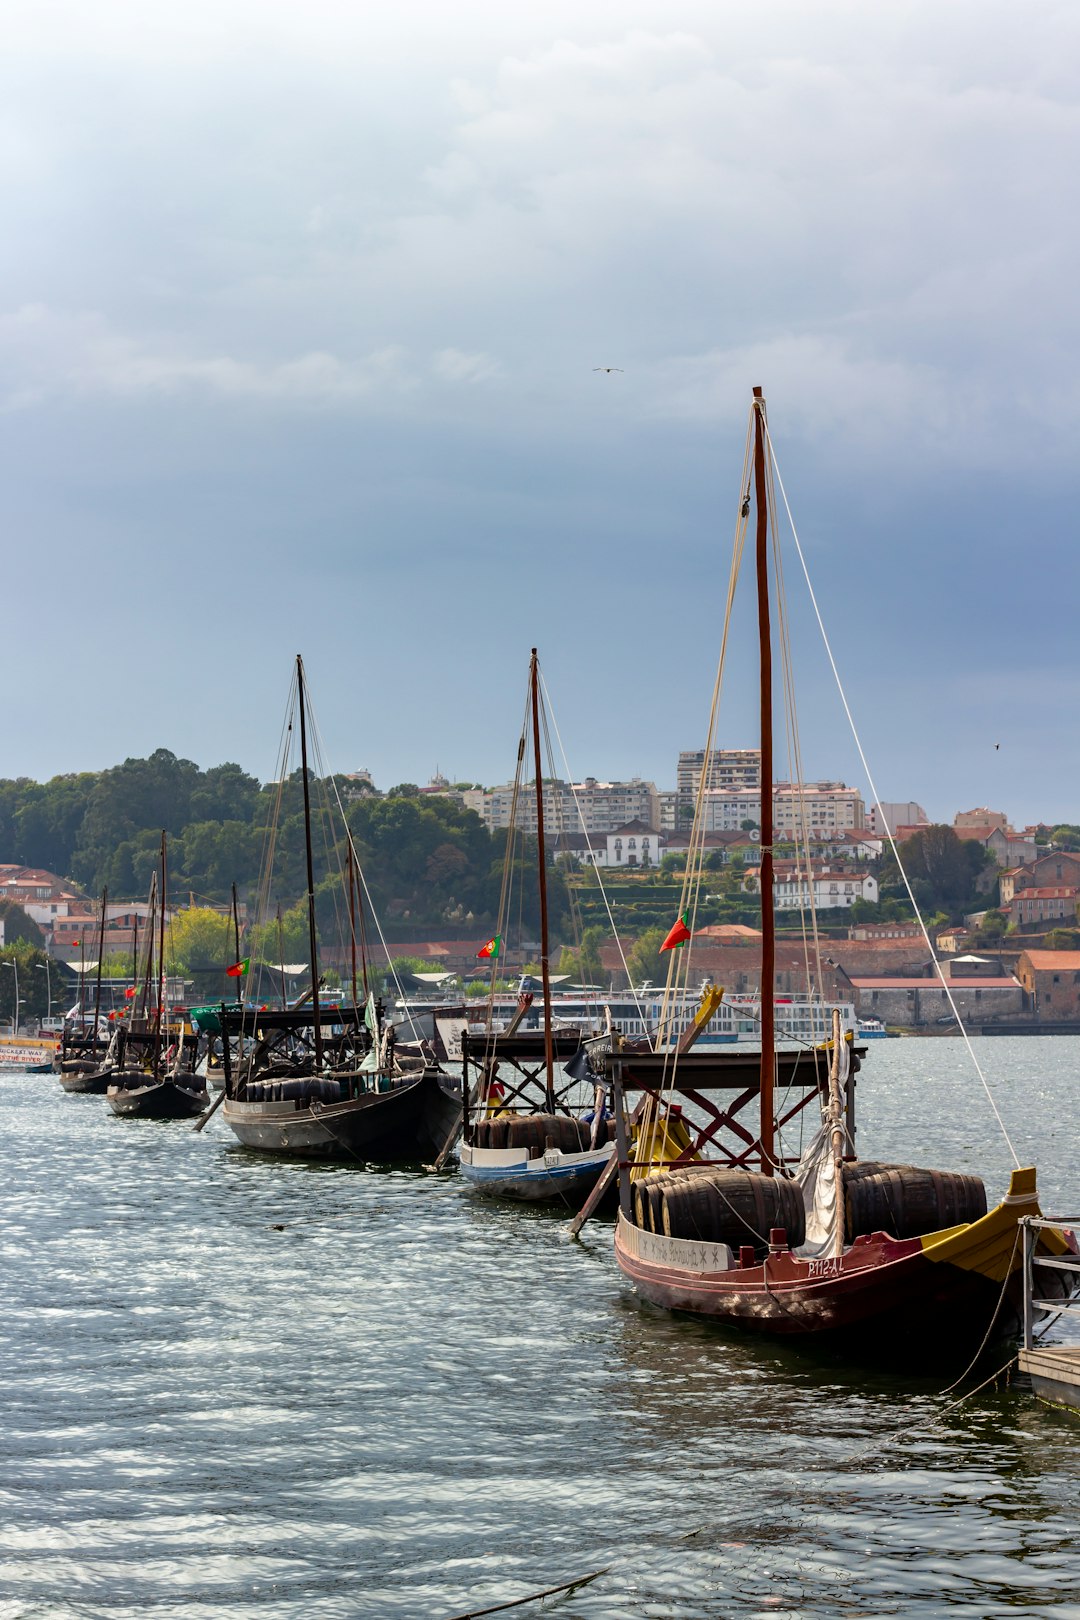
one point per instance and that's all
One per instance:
(545, 970)
(236, 935)
(161, 961)
(100, 954)
(310, 867)
(768, 918)
(352, 922)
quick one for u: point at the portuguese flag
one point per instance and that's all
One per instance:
(492, 948)
(132, 992)
(238, 969)
(678, 935)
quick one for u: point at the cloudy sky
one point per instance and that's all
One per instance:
(299, 310)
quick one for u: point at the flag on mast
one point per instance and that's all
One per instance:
(492, 948)
(678, 935)
(238, 969)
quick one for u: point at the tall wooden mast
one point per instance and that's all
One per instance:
(352, 921)
(100, 957)
(236, 936)
(768, 921)
(541, 861)
(160, 1025)
(310, 866)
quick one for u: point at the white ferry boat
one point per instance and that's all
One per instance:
(27, 1051)
(636, 1014)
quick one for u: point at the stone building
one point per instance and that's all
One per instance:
(1031, 908)
(1051, 983)
(922, 1003)
(1051, 870)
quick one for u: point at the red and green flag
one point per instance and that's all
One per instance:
(492, 948)
(132, 992)
(238, 969)
(76, 942)
(678, 935)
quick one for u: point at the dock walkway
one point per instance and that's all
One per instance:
(1054, 1369)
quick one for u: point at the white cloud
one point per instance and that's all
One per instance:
(862, 211)
(48, 354)
(453, 366)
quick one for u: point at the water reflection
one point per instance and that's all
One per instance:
(233, 1385)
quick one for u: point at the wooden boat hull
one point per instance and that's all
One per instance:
(158, 1099)
(409, 1123)
(510, 1173)
(915, 1295)
(92, 1082)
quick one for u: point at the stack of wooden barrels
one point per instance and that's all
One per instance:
(740, 1207)
(908, 1202)
(538, 1132)
(720, 1205)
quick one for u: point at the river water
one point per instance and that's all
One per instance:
(234, 1387)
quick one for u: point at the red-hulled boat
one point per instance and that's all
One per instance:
(874, 1257)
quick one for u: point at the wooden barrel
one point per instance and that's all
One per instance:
(731, 1206)
(908, 1202)
(859, 1169)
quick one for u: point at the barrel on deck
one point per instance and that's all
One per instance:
(908, 1202)
(719, 1205)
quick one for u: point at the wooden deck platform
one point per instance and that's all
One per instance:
(1054, 1370)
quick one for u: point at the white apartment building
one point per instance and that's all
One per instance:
(725, 809)
(794, 888)
(830, 889)
(589, 806)
(726, 768)
(889, 814)
(818, 808)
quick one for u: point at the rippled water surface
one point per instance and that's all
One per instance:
(232, 1386)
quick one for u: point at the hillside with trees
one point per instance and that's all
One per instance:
(428, 862)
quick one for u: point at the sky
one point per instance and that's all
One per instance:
(300, 307)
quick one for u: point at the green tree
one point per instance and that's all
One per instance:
(944, 869)
(292, 943)
(200, 943)
(33, 981)
(18, 926)
(644, 959)
(993, 926)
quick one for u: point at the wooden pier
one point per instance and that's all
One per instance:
(1054, 1369)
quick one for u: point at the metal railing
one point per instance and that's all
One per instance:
(1031, 1226)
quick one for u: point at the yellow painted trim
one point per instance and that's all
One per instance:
(991, 1245)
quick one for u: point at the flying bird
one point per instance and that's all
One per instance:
(996, 747)
(607, 368)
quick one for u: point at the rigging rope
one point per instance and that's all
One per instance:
(592, 856)
(873, 789)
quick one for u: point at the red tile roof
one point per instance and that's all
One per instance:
(1009, 982)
